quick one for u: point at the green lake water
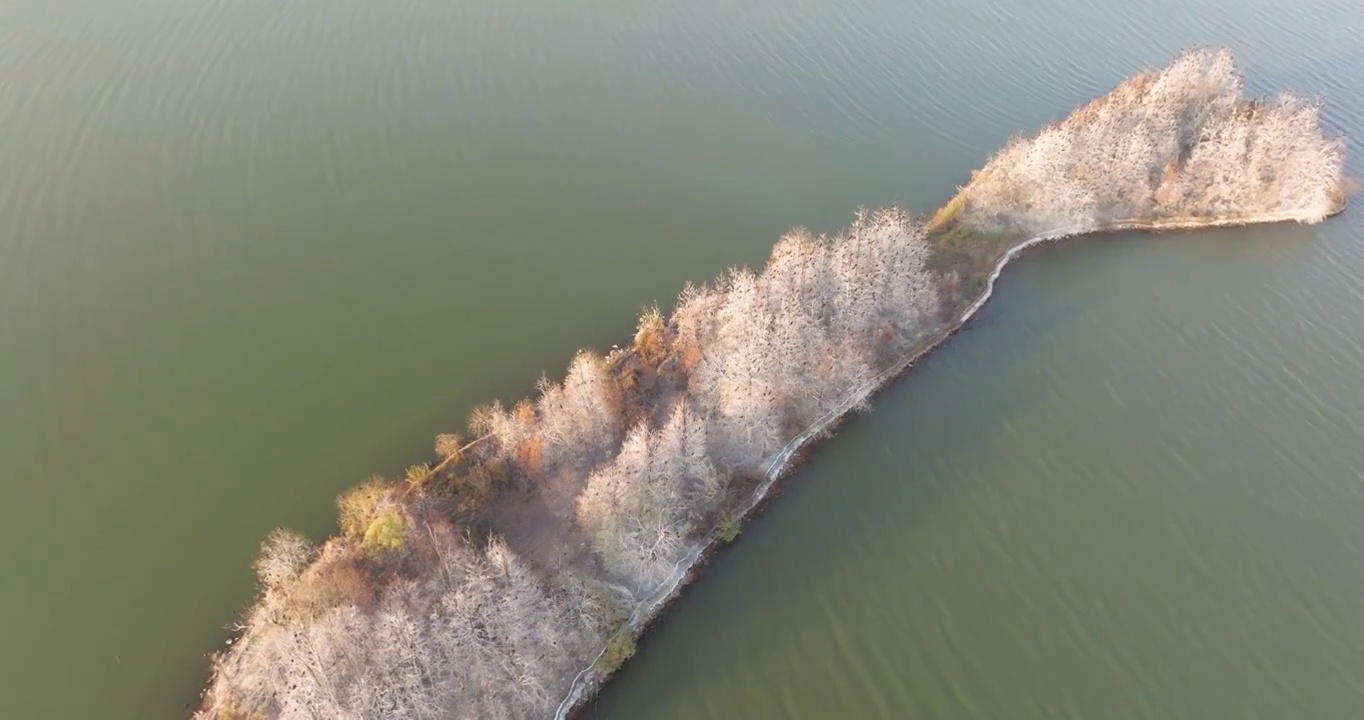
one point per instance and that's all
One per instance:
(252, 252)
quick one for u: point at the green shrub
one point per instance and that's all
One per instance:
(387, 532)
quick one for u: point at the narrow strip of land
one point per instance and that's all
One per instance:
(511, 578)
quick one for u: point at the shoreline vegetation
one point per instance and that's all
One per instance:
(511, 578)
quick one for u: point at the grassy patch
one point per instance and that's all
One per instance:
(619, 648)
(729, 530)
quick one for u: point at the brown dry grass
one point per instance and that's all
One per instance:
(338, 579)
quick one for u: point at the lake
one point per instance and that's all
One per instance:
(252, 252)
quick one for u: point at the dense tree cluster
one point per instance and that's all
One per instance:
(1178, 143)
(756, 357)
(776, 349)
(641, 508)
(771, 351)
(479, 635)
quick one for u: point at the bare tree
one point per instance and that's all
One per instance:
(642, 507)
(1178, 143)
(489, 640)
(283, 557)
(579, 420)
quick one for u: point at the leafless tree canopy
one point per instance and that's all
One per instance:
(777, 349)
(1180, 142)
(479, 636)
(758, 356)
(642, 507)
(637, 455)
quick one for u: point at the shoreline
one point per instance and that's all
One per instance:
(590, 680)
(587, 683)
(601, 496)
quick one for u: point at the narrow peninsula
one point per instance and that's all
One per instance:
(511, 576)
